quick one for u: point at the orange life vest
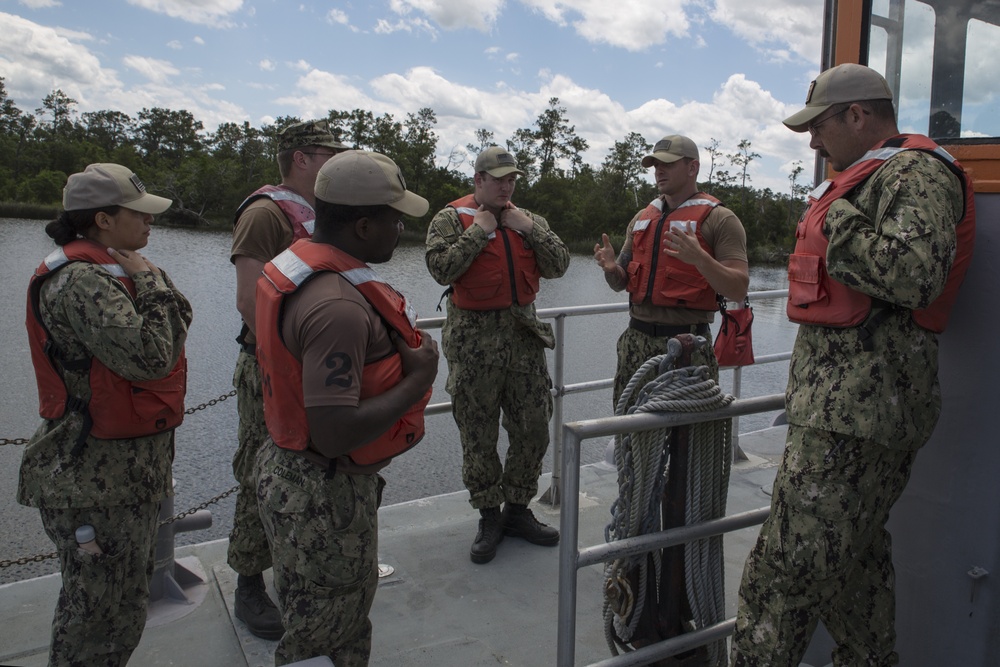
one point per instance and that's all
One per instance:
(118, 408)
(281, 372)
(816, 298)
(297, 210)
(504, 274)
(664, 280)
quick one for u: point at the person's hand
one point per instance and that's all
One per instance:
(485, 219)
(680, 241)
(420, 362)
(132, 262)
(514, 218)
(604, 255)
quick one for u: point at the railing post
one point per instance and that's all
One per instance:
(551, 497)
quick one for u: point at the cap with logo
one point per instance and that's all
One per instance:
(844, 83)
(360, 178)
(106, 184)
(308, 133)
(497, 162)
(671, 149)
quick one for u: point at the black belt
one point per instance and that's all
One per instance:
(668, 330)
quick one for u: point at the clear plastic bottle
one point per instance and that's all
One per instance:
(85, 538)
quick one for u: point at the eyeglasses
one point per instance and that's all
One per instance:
(812, 128)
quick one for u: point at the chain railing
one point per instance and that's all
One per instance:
(24, 560)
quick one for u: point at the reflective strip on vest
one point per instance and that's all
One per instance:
(58, 257)
(287, 195)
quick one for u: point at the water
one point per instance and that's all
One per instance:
(198, 263)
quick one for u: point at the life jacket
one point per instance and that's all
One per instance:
(118, 408)
(281, 372)
(504, 274)
(299, 213)
(816, 298)
(659, 278)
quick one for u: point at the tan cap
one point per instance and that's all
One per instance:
(360, 178)
(671, 149)
(497, 162)
(837, 85)
(107, 184)
(308, 133)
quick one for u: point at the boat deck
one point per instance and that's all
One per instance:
(437, 608)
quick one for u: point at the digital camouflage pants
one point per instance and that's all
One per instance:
(101, 609)
(480, 392)
(248, 551)
(323, 531)
(824, 554)
(635, 348)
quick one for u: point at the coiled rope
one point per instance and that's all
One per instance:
(641, 459)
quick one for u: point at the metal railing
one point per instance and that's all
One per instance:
(560, 390)
(572, 559)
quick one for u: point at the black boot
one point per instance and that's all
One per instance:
(255, 609)
(518, 521)
(489, 536)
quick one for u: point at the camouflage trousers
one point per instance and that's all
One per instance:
(635, 348)
(323, 531)
(248, 551)
(824, 554)
(101, 609)
(480, 392)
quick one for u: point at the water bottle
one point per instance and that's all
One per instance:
(85, 539)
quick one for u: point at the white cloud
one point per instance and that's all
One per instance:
(47, 60)
(157, 71)
(633, 25)
(337, 16)
(300, 65)
(212, 13)
(40, 4)
(175, 45)
(384, 27)
(318, 92)
(198, 40)
(771, 25)
(452, 14)
(266, 65)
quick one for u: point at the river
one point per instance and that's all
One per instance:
(198, 262)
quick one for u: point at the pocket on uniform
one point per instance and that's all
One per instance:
(96, 581)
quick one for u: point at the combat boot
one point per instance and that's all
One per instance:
(255, 609)
(489, 536)
(519, 521)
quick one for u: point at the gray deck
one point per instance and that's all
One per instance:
(437, 608)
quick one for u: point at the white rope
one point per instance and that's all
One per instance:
(641, 460)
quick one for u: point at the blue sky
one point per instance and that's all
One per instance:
(710, 69)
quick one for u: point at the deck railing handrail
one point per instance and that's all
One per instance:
(573, 558)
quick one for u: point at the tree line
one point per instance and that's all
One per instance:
(208, 173)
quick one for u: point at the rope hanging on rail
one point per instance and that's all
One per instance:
(642, 460)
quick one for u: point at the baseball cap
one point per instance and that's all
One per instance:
(844, 83)
(308, 133)
(360, 178)
(497, 162)
(671, 149)
(106, 184)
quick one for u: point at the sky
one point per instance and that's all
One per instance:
(726, 70)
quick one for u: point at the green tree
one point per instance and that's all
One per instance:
(556, 139)
(168, 136)
(622, 169)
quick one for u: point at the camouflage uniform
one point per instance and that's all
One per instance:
(323, 531)
(496, 361)
(113, 485)
(248, 552)
(856, 420)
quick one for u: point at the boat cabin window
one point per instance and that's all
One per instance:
(940, 59)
